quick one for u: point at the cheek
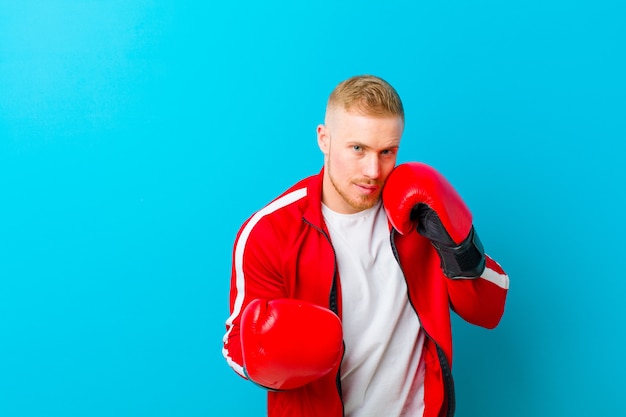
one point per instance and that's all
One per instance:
(387, 170)
(339, 162)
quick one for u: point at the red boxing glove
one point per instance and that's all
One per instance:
(288, 343)
(416, 196)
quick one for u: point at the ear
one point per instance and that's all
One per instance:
(323, 139)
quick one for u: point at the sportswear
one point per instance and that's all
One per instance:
(288, 343)
(284, 251)
(416, 195)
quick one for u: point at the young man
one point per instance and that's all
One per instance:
(342, 286)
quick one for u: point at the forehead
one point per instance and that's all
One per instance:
(353, 125)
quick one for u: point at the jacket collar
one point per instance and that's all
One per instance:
(313, 211)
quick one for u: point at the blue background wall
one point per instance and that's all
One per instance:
(136, 136)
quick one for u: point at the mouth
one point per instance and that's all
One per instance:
(368, 188)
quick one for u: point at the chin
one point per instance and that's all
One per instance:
(364, 204)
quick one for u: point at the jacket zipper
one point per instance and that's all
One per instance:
(332, 304)
(448, 382)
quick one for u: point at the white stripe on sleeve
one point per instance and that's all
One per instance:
(239, 252)
(501, 280)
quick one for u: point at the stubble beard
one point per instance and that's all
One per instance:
(362, 202)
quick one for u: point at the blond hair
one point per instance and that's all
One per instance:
(368, 95)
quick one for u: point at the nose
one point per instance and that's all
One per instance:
(371, 167)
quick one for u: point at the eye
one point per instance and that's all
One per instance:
(357, 148)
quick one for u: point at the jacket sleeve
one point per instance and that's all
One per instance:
(255, 274)
(481, 300)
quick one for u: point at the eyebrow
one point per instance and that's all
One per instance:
(362, 145)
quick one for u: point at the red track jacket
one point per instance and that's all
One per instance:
(284, 251)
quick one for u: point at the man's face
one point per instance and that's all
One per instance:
(359, 153)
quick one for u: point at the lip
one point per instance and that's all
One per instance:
(368, 188)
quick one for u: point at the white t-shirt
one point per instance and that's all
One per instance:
(381, 373)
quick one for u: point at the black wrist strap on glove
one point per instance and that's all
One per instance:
(465, 260)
